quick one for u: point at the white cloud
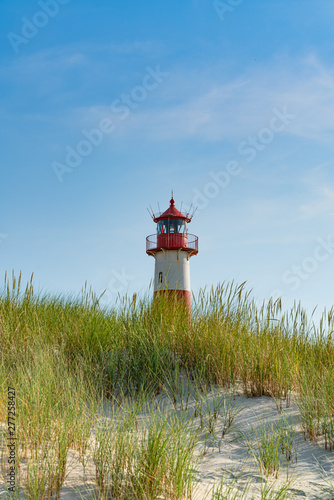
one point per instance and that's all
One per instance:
(131, 47)
(320, 192)
(322, 204)
(208, 105)
(52, 60)
(191, 105)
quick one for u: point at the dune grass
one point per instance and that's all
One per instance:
(65, 355)
(272, 445)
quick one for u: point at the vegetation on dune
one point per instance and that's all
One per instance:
(64, 354)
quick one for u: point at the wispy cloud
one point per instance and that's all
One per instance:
(318, 184)
(207, 105)
(48, 60)
(59, 59)
(213, 111)
(136, 47)
(320, 204)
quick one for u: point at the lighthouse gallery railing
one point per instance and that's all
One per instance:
(172, 240)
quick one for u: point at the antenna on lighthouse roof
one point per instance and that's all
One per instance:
(151, 213)
(189, 212)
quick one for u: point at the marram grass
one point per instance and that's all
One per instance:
(65, 354)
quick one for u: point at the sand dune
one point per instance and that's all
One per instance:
(229, 457)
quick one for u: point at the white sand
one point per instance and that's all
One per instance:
(232, 460)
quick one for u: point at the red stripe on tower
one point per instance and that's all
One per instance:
(183, 296)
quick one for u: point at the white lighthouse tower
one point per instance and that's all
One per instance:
(172, 248)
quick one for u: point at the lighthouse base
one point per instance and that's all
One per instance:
(182, 297)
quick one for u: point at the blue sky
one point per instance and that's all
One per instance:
(108, 105)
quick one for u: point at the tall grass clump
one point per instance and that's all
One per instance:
(153, 459)
(316, 405)
(55, 410)
(138, 343)
(271, 443)
(315, 385)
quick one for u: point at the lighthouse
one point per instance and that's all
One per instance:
(172, 246)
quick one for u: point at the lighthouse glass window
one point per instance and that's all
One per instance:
(177, 226)
(171, 226)
(180, 226)
(162, 227)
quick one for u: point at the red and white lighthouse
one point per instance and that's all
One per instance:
(172, 248)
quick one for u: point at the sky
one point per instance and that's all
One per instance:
(109, 105)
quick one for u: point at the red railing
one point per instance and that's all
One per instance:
(172, 241)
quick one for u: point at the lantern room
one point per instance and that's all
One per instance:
(172, 233)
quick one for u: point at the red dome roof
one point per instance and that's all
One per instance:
(172, 212)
